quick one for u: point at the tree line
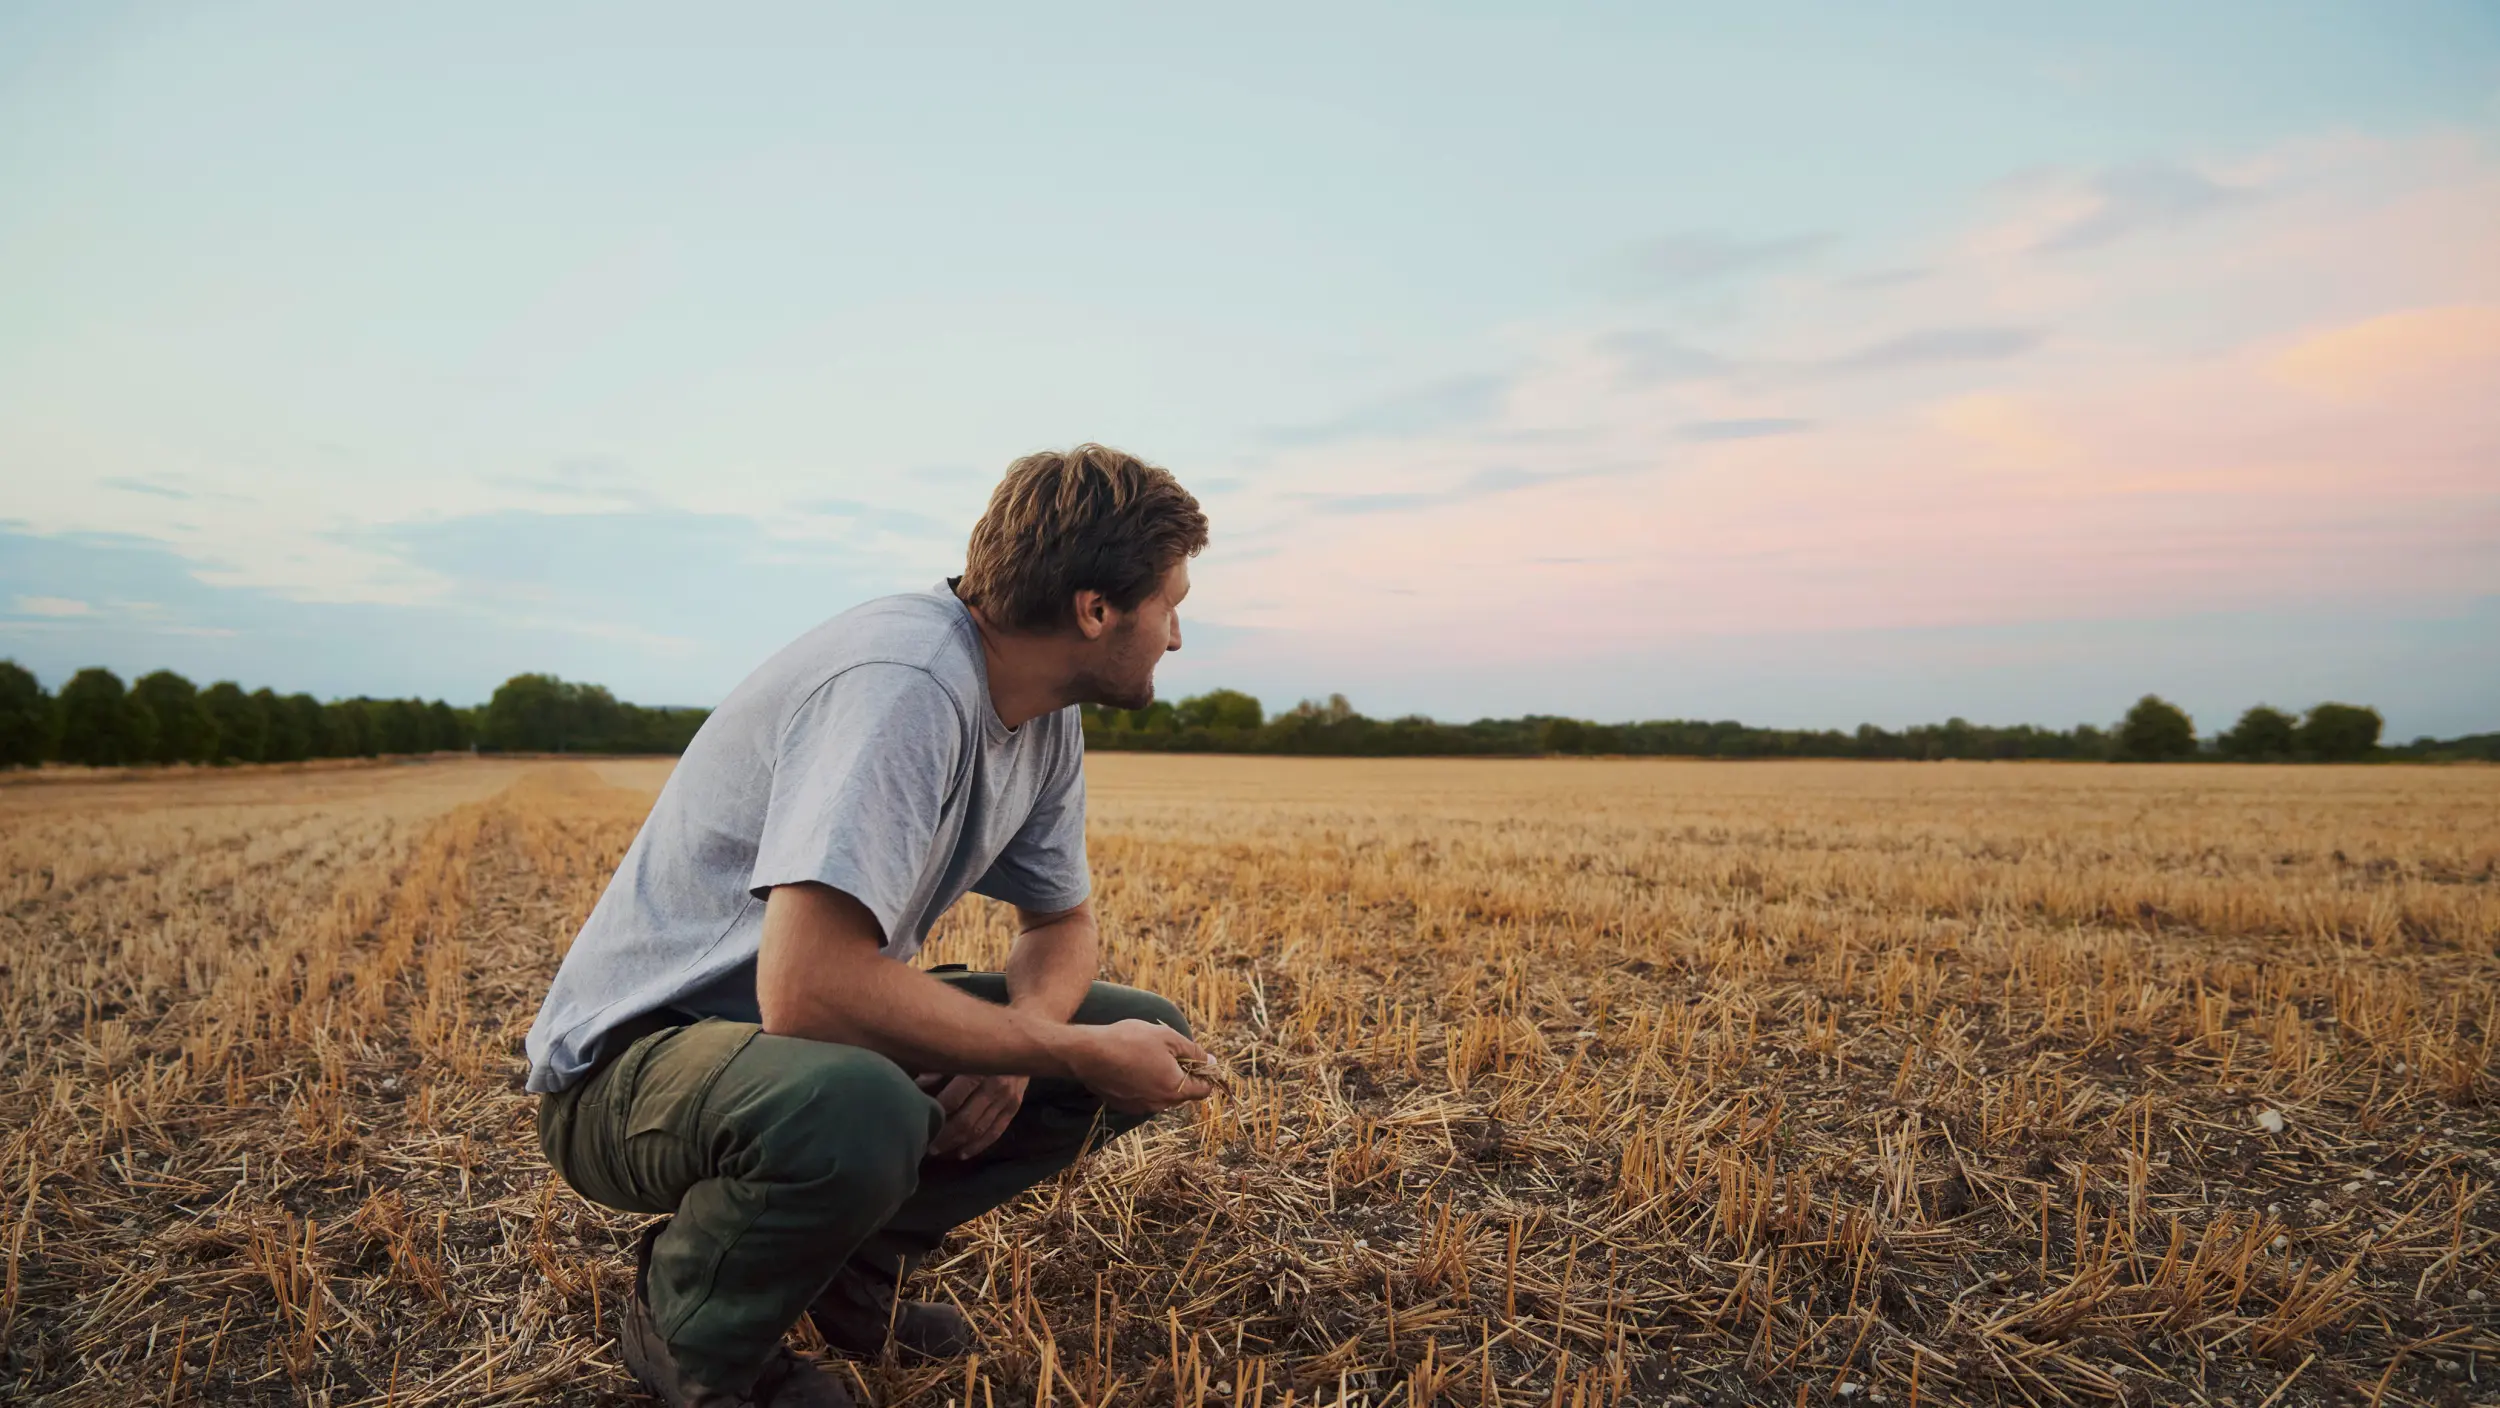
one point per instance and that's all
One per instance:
(2155, 730)
(97, 721)
(162, 717)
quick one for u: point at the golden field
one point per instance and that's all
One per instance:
(1567, 1082)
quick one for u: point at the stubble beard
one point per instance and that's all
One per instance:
(1093, 688)
(1111, 691)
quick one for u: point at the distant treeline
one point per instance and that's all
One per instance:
(1229, 721)
(162, 717)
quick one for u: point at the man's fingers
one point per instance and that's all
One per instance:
(976, 1115)
(959, 1128)
(977, 1140)
(982, 1123)
(1182, 1045)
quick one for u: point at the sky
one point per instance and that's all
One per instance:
(1802, 364)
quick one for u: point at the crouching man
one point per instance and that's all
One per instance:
(735, 1039)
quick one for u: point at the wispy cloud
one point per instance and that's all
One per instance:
(52, 606)
(1440, 405)
(2322, 430)
(1689, 259)
(142, 486)
(1741, 428)
(1927, 347)
(1645, 356)
(881, 518)
(2091, 210)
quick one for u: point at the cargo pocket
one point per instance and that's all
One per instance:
(676, 1076)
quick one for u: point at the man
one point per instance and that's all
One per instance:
(736, 1040)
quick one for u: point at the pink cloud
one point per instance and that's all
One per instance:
(2265, 384)
(2383, 358)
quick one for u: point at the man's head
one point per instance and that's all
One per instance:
(1090, 546)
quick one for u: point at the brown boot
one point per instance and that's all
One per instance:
(856, 1312)
(788, 1380)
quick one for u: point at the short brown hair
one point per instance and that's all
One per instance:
(1088, 519)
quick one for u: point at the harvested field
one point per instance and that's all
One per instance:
(1553, 1083)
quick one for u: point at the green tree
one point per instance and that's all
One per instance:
(1221, 709)
(448, 729)
(347, 729)
(400, 726)
(527, 714)
(2263, 733)
(242, 722)
(294, 727)
(543, 714)
(26, 717)
(102, 725)
(1562, 736)
(2340, 733)
(2156, 730)
(185, 731)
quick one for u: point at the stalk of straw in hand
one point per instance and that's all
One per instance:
(1209, 1071)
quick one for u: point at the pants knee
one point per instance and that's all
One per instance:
(843, 1119)
(1109, 1002)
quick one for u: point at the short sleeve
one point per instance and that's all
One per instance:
(860, 774)
(1043, 867)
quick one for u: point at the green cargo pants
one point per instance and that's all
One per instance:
(780, 1158)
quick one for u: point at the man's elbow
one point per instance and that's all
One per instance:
(1028, 920)
(815, 965)
(825, 1009)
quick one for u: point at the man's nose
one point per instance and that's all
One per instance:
(1176, 636)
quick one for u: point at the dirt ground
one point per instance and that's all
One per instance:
(1560, 1082)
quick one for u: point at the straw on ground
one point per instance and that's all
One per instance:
(1567, 1082)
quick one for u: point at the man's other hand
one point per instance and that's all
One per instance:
(978, 1109)
(1135, 1066)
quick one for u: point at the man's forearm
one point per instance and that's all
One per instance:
(819, 974)
(1052, 966)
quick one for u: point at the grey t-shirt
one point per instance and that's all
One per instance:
(865, 756)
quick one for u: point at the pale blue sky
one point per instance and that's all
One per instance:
(1807, 364)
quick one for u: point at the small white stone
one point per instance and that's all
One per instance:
(2318, 1207)
(2274, 1209)
(2281, 1242)
(2271, 1121)
(1851, 1390)
(2353, 1187)
(2475, 1296)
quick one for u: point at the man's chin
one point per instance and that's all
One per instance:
(1114, 696)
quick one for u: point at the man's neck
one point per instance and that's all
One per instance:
(1026, 675)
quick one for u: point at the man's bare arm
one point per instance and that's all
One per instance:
(818, 974)
(1054, 960)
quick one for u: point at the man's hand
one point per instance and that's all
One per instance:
(978, 1109)
(1134, 1067)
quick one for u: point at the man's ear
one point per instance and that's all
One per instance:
(1095, 614)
